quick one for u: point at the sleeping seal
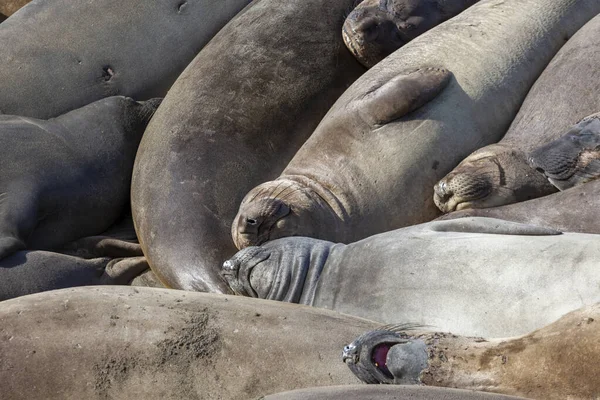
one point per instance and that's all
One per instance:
(556, 362)
(67, 177)
(573, 210)
(356, 392)
(59, 55)
(233, 119)
(572, 159)
(375, 28)
(371, 164)
(566, 92)
(127, 343)
(472, 276)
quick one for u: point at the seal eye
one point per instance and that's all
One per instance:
(251, 221)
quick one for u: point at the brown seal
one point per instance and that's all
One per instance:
(375, 28)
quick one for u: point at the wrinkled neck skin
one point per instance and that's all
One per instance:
(493, 176)
(286, 269)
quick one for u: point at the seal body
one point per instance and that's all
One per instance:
(233, 119)
(68, 177)
(565, 93)
(474, 276)
(371, 164)
(9, 7)
(555, 362)
(572, 210)
(375, 29)
(59, 55)
(356, 392)
(102, 342)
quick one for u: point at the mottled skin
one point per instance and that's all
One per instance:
(377, 28)
(68, 177)
(558, 361)
(143, 343)
(234, 119)
(9, 7)
(573, 210)
(565, 93)
(572, 159)
(371, 164)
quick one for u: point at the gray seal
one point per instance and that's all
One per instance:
(372, 163)
(68, 177)
(572, 159)
(123, 342)
(472, 276)
(375, 28)
(565, 93)
(356, 392)
(573, 210)
(59, 55)
(556, 362)
(234, 119)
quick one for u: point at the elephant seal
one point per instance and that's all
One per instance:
(28, 272)
(356, 392)
(59, 55)
(67, 177)
(556, 362)
(9, 7)
(371, 164)
(565, 93)
(570, 211)
(572, 159)
(375, 28)
(471, 276)
(124, 342)
(233, 119)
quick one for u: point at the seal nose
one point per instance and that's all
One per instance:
(368, 29)
(442, 191)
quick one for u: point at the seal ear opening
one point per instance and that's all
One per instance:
(402, 95)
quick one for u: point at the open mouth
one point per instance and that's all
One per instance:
(379, 358)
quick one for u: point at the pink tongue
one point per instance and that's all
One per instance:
(379, 356)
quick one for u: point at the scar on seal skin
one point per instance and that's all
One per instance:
(574, 158)
(377, 28)
(493, 176)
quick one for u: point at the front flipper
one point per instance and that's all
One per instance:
(102, 246)
(122, 271)
(491, 226)
(402, 95)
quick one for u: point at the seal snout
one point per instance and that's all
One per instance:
(442, 195)
(256, 219)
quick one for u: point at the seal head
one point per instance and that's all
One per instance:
(574, 158)
(285, 269)
(377, 28)
(387, 356)
(492, 176)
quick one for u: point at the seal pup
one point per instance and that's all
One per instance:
(565, 93)
(371, 164)
(124, 342)
(59, 55)
(375, 28)
(68, 177)
(572, 159)
(573, 210)
(234, 119)
(362, 392)
(558, 361)
(471, 276)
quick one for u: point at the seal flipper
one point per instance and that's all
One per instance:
(402, 95)
(122, 271)
(491, 226)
